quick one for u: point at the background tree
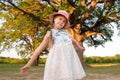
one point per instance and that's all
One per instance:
(26, 21)
(25, 25)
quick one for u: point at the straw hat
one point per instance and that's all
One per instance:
(63, 13)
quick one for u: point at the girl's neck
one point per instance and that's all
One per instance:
(57, 29)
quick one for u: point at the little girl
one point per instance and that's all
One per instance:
(62, 62)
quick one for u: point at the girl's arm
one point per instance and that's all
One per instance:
(77, 44)
(37, 52)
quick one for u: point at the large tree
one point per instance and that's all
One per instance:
(26, 22)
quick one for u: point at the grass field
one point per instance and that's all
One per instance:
(96, 72)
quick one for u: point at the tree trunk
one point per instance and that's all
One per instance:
(36, 62)
(80, 55)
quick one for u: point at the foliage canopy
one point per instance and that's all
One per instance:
(26, 21)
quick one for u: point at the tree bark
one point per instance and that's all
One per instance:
(36, 62)
(81, 56)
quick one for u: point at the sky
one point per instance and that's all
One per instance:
(110, 49)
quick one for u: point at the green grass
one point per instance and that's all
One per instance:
(11, 71)
(104, 68)
(103, 72)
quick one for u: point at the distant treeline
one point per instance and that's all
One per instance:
(18, 61)
(12, 60)
(106, 59)
(88, 60)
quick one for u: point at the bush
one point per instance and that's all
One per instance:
(42, 60)
(107, 59)
(12, 60)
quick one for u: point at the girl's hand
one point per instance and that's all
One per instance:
(78, 46)
(24, 69)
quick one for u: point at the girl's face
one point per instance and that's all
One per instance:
(59, 22)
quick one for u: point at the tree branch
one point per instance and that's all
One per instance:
(84, 2)
(108, 3)
(93, 4)
(104, 21)
(24, 12)
(48, 1)
(113, 19)
(87, 14)
(71, 3)
(26, 40)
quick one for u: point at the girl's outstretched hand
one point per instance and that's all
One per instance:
(24, 69)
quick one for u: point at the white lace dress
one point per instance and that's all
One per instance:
(63, 62)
